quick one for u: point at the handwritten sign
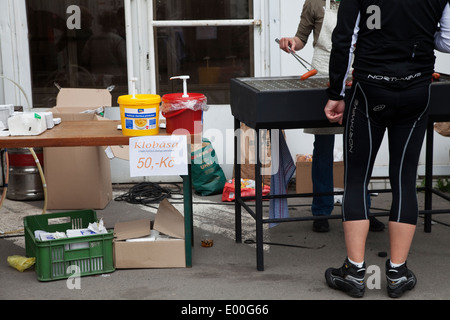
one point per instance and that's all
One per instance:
(158, 156)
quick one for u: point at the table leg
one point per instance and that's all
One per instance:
(188, 217)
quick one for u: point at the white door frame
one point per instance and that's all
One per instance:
(14, 55)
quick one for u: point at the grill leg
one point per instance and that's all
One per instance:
(237, 182)
(429, 175)
(259, 208)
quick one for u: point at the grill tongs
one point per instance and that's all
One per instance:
(311, 71)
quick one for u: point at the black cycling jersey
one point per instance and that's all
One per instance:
(392, 42)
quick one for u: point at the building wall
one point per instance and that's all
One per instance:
(279, 18)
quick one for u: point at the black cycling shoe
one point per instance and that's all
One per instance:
(348, 278)
(399, 280)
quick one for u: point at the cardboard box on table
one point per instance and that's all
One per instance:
(303, 175)
(78, 177)
(162, 253)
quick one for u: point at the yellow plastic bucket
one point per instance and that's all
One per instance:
(139, 115)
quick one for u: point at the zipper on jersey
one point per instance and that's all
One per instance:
(413, 55)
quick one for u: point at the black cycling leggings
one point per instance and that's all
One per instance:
(370, 112)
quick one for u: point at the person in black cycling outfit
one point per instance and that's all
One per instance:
(393, 43)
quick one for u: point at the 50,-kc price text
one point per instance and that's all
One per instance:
(158, 156)
(150, 162)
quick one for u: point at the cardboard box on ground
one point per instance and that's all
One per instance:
(134, 247)
(303, 174)
(78, 177)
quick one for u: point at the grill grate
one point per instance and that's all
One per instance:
(286, 84)
(294, 83)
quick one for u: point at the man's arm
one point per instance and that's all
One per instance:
(442, 37)
(305, 27)
(344, 38)
(294, 44)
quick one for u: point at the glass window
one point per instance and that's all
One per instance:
(210, 55)
(77, 44)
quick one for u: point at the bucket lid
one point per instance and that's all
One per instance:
(139, 99)
(171, 97)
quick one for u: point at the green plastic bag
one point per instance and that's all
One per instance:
(207, 175)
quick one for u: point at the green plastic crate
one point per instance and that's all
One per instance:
(54, 258)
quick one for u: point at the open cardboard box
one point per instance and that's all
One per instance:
(160, 253)
(78, 177)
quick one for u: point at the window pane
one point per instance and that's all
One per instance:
(211, 55)
(76, 44)
(202, 9)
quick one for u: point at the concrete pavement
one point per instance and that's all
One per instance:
(227, 271)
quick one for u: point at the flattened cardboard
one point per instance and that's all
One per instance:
(149, 255)
(72, 114)
(132, 229)
(163, 253)
(78, 177)
(76, 97)
(338, 174)
(121, 152)
(304, 180)
(169, 220)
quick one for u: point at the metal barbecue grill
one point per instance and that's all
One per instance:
(289, 103)
(280, 102)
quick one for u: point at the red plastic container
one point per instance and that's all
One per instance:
(190, 118)
(184, 119)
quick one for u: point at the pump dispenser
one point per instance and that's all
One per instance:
(184, 110)
(133, 87)
(185, 79)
